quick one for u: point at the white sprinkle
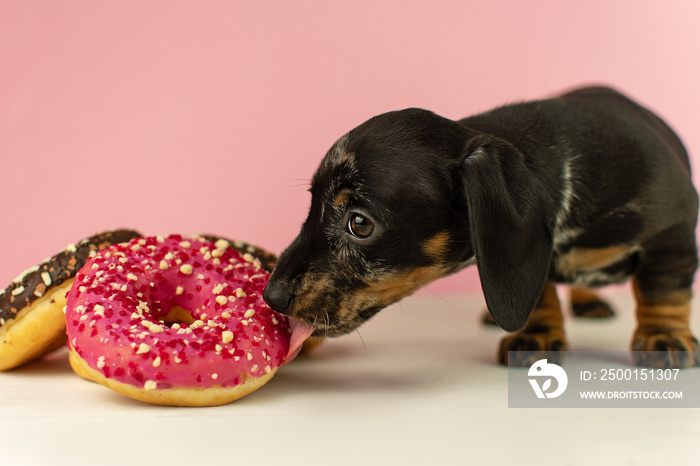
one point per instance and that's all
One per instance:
(176, 326)
(124, 287)
(221, 244)
(244, 322)
(217, 253)
(219, 288)
(186, 269)
(163, 264)
(221, 300)
(227, 336)
(150, 385)
(46, 278)
(185, 244)
(169, 256)
(226, 315)
(179, 290)
(240, 293)
(215, 376)
(155, 328)
(249, 313)
(250, 356)
(100, 362)
(18, 290)
(132, 277)
(99, 310)
(156, 362)
(268, 369)
(143, 348)
(82, 289)
(248, 257)
(254, 368)
(197, 324)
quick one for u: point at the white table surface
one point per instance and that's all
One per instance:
(416, 385)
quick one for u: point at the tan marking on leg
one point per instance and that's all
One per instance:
(663, 326)
(673, 313)
(582, 295)
(586, 303)
(543, 336)
(547, 312)
(591, 259)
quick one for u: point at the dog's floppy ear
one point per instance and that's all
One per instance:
(511, 217)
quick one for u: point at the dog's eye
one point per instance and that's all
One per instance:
(360, 226)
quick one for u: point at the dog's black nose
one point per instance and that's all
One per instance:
(278, 296)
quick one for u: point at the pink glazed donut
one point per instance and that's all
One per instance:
(176, 321)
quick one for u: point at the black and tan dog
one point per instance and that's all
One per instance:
(586, 189)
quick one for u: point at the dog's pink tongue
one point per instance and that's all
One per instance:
(300, 332)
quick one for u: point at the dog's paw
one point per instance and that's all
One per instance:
(530, 347)
(665, 349)
(597, 309)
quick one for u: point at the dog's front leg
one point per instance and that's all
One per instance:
(663, 335)
(542, 337)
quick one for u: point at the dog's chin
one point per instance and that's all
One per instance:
(337, 327)
(334, 329)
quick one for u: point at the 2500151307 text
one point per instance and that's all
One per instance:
(640, 374)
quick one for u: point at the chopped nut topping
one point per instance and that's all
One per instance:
(143, 348)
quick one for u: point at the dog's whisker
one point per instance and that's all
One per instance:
(437, 295)
(364, 346)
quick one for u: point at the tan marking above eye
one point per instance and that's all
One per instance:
(341, 198)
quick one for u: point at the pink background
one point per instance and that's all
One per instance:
(174, 116)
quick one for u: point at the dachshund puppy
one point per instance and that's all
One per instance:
(587, 189)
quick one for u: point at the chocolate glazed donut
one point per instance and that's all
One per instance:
(32, 322)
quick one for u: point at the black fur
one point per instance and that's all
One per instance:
(520, 190)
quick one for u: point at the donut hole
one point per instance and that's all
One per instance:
(178, 315)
